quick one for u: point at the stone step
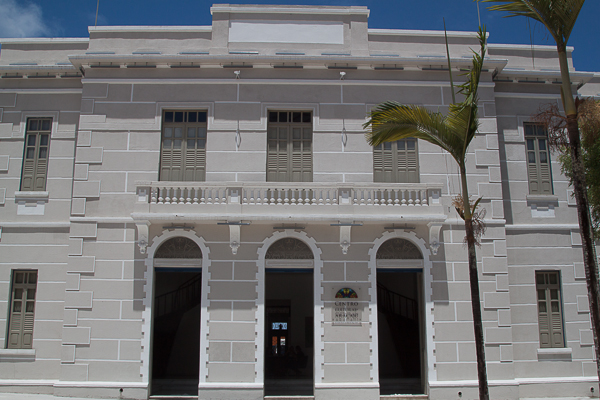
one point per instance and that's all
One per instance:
(289, 397)
(405, 397)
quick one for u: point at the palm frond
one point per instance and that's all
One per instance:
(392, 121)
(558, 16)
(454, 132)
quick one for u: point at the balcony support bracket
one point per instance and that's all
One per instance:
(345, 240)
(234, 238)
(142, 229)
(434, 236)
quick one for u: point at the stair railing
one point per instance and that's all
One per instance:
(183, 298)
(395, 303)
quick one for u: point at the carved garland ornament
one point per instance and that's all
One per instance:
(398, 249)
(289, 249)
(179, 247)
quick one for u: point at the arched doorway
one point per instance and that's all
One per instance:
(289, 313)
(399, 305)
(176, 318)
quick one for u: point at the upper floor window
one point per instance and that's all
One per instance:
(35, 157)
(396, 162)
(550, 314)
(289, 146)
(183, 146)
(22, 306)
(538, 159)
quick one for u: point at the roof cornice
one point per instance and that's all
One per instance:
(42, 40)
(149, 28)
(313, 10)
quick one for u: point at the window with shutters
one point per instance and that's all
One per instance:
(22, 308)
(183, 148)
(35, 157)
(538, 159)
(396, 162)
(550, 316)
(289, 146)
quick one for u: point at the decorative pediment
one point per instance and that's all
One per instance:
(399, 249)
(178, 247)
(289, 249)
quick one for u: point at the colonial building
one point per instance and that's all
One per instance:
(194, 211)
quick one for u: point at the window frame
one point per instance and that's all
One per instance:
(24, 300)
(289, 167)
(535, 137)
(36, 168)
(548, 300)
(396, 157)
(197, 156)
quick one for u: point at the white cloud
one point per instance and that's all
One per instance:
(21, 19)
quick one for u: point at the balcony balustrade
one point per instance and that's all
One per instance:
(288, 198)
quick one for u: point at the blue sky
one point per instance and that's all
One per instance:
(70, 18)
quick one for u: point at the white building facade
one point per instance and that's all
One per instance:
(195, 211)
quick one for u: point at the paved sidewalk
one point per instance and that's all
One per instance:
(13, 396)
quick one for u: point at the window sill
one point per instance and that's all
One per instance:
(555, 354)
(542, 198)
(15, 355)
(31, 195)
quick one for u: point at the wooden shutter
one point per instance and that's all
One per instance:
(35, 157)
(183, 148)
(549, 309)
(277, 154)
(407, 161)
(396, 162)
(538, 159)
(289, 146)
(22, 308)
(195, 154)
(301, 155)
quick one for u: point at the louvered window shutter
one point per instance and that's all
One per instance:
(22, 310)
(301, 151)
(396, 162)
(277, 155)
(289, 147)
(550, 317)
(183, 152)
(538, 159)
(35, 158)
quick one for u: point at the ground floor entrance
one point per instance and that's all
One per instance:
(399, 329)
(176, 332)
(289, 332)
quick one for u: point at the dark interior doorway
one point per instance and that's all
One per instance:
(399, 332)
(176, 331)
(289, 328)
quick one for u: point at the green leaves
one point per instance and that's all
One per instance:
(454, 132)
(558, 16)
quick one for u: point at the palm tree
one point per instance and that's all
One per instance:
(392, 121)
(559, 17)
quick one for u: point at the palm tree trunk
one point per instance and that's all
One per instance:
(475, 296)
(583, 207)
(585, 227)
